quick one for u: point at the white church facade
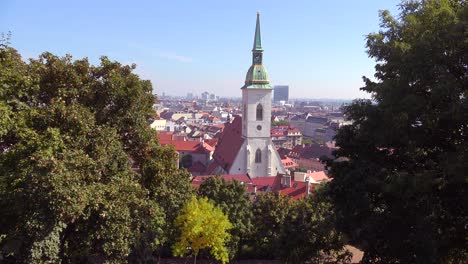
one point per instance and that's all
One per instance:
(246, 145)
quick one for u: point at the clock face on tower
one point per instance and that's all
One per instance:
(257, 58)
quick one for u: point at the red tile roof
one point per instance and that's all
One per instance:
(212, 167)
(288, 163)
(197, 167)
(165, 137)
(212, 142)
(296, 191)
(263, 183)
(182, 145)
(276, 132)
(229, 143)
(318, 176)
(313, 151)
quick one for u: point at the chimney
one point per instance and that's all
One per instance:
(286, 180)
(307, 181)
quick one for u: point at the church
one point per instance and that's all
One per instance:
(245, 145)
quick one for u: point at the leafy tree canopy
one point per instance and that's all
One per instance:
(70, 134)
(297, 231)
(280, 123)
(400, 184)
(203, 225)
(231, 197)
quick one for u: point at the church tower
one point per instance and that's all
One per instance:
(245, 145)
(261, 156)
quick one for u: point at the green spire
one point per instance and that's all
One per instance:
(257, 76)
(257, 46)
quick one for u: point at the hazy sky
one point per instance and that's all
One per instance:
(317, 47)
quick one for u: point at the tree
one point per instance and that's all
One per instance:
(67, 189)
(310, 234)
(202, 225)
(297, 231)
(307, 141)
(231, 197)
(399, 185)
(270, 211)
(280, 123)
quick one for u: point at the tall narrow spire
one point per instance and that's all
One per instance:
(258, 39)
(257, 76)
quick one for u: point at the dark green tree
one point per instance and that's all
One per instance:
(280, 123)
(309, 232)
(81, 172)
(400, 183)
(270, 212)
(232, 198)
(298, 231)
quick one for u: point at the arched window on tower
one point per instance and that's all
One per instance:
(259, 112)
(258, 156)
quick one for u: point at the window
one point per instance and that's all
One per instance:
(258, 156)
(259, 112)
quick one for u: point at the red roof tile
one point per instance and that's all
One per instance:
(318, 176)
(189, 146)
(229, 144)
(288, 163)
(197, 167)
(212, 142)
(164, 137)
(296, 191)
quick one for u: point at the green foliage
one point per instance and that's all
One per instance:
(297, 231)
(280, 123)
(310, 233)
(399, 188)
(202, 225)
(67, 135)
(307, 141)
(270, 212)
(231, 197)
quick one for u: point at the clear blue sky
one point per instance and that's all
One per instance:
(317, 47)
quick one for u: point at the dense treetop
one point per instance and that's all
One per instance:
(70, 134)
(400, 193)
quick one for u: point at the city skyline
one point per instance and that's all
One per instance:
(318, 49)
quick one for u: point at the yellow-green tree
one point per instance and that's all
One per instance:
(202, 225)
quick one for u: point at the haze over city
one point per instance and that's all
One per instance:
(315, 47)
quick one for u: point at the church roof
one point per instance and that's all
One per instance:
(229, 144)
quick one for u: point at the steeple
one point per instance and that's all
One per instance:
(257, 76)
(257, 46)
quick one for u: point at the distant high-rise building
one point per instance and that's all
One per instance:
(189, 96)
(281, 93)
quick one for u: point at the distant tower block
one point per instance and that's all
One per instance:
(281, 93)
